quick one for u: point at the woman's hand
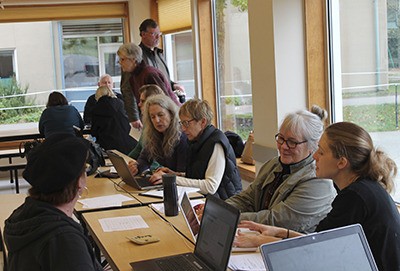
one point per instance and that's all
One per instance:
(132, 165)
(156, 178)
(261, 228)
(252, 240)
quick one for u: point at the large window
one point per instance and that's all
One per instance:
(233, 66)
(365, 46)
(67, 56)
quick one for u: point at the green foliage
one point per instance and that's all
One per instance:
(240, 4)
(373, 118)
(16, 115)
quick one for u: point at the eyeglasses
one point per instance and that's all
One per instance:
(154, 34)
(186, 123)
(290, 143)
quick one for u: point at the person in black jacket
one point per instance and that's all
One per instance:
(41, 234)
(110, 123)
(105, 80)
(211, 164)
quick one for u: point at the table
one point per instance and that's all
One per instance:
(119, 251)
(247, 172)
(146, 200)
(97, 187)
(8, 203)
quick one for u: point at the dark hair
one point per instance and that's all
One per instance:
(56, 98)
(346, 139)
(147, 23)
(65, 195)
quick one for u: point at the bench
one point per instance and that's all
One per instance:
(11, 166)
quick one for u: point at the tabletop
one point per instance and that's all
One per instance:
(119, 251)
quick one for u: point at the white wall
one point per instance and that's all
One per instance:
(278, 77)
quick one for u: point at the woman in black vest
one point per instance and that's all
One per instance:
(211, 163)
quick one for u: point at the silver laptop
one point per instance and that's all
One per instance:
(138, 182)
(339, 249)
(213, 246)
(190, 215)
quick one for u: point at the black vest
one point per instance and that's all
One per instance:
(200, 152)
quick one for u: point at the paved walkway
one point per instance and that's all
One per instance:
(371, 100)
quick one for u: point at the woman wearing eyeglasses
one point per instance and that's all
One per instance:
(163, 140)
(364, 176)
(285, 192)
(211, 163)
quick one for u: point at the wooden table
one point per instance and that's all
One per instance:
(8, 203)
(98, 187)
(247, 172)
(119, 251)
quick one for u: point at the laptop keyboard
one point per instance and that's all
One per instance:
(183, 262)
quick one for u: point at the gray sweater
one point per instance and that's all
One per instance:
(299, 203)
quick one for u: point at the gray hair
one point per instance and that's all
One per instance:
(132, 51)
(306, 124)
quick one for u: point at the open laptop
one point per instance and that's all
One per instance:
(344, 248)
(213, 246)
(138, 182)
(190, 215)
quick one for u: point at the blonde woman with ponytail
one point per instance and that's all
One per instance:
(364, 175)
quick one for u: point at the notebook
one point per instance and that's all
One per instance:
(190, 215)
(138, 182)
(213, 246)
(344, 248)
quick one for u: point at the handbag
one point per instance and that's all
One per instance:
(247, 155)
(25, 147)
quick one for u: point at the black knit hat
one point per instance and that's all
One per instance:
(55, 163)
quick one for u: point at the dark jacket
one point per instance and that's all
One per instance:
(89, 105)
(367, 203)
(110, 125)
(177, 161)
(40, 237)
(59, 119)
(200, 152)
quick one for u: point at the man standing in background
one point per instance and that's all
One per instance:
(152, 55)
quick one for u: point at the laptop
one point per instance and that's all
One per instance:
(138, 182)
(344, 248)
(213, 246)
(190, 215)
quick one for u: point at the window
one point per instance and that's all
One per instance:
(7, 67)
(364, 52)
(233, 67)
(179, 56)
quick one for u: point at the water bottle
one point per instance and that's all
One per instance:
(170, 195)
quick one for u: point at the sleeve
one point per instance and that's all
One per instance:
(65, 252)
(301, 210)
(143, 161)
(213, 176)
(130, 104)
(245, 200)
(348, 208)
(136, 151)
(87, 112)
(160, 80)
(41, 122)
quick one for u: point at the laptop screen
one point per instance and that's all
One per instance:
(189, 215)
(217, 231)
(343, 248)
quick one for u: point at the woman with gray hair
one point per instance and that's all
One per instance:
(285, 192)
(131, 60)
(163, 140)
(211, 163)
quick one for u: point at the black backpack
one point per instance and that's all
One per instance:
(236, 142)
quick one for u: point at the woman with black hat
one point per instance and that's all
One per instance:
(41, 234)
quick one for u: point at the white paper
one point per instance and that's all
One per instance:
(122, 223)
(160, 206)
(180, 189)
(105, 201)
(248, 261)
